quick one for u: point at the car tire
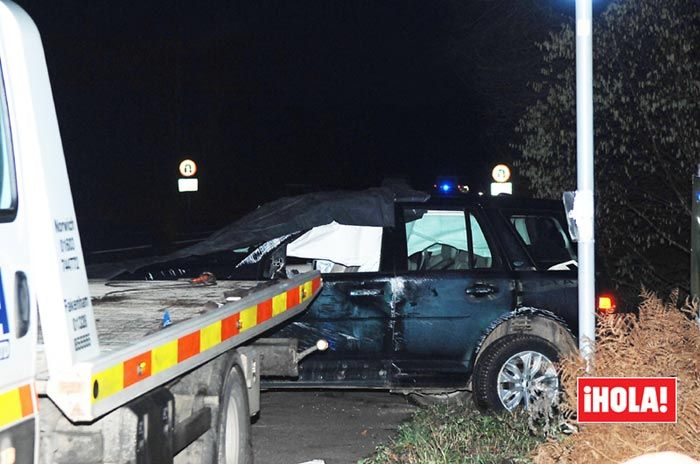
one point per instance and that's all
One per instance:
(513, 357)
(452, 399)
(234, 434)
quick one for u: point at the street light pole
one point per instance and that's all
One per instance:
(584, 203)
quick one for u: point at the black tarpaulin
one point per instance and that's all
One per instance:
(288, 215)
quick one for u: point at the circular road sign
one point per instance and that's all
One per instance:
(188, 168)
(501, 173)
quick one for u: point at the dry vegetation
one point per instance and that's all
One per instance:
(663, 341)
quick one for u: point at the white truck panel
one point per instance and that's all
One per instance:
(55, 251)
(18, 320)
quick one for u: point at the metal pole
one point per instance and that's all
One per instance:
(584, 174)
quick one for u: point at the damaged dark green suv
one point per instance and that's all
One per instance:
(458, 294)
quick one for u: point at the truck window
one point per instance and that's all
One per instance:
(444, 240)
(8, 192)
(545, 240)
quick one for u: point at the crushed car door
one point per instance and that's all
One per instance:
(352, 312)
(452, 288)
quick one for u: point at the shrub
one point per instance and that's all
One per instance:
(662, 341)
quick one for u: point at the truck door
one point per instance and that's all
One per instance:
(453, 287)
(18, 422)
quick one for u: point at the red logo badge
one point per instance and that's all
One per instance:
(627, 399)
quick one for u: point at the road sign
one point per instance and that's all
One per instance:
(188, 168)
(501, 173)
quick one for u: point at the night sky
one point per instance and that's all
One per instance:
(275, 98)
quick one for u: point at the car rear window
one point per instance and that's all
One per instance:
(545, 240)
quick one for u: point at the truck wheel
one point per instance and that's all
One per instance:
(515, 371)
(234, 436)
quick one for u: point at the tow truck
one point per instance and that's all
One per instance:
(90, 372)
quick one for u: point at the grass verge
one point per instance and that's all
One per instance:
(441, 435)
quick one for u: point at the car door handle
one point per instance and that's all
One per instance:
(479, 290)
(366, 291)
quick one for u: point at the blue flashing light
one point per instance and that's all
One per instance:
(445, 187)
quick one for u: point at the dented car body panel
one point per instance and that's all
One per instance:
(354, 314)
(438, 323)
(556, 292)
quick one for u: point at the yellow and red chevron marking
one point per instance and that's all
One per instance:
(120, 376)
(16, 404)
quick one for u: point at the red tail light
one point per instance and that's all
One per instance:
(607, 304)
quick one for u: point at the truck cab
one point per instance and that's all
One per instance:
(18, 312)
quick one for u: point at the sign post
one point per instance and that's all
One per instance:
(584, 200)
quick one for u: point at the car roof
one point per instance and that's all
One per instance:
(289, 215)
(489, 202)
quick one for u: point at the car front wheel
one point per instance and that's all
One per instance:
(516, 371)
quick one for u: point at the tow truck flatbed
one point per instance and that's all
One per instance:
(137, 353)
(127, 311)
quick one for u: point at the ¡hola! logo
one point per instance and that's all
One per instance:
(626, 399)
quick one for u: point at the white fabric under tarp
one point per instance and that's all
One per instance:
(347, 245)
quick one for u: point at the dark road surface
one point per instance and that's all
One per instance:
(338, 427)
